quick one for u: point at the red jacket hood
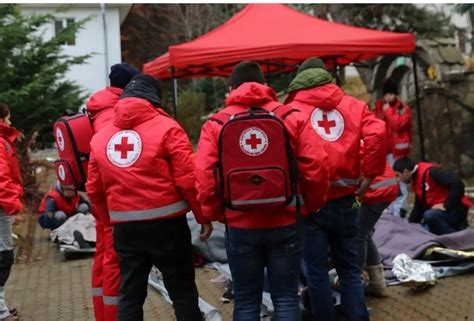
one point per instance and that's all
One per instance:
(326, 97)
(103, 99)
(9, 133)
(132, 111)
(251, 94)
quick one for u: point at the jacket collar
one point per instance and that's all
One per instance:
(251, 94)
(131, 112)
(9, 133)
(103, 99)
(326, 97)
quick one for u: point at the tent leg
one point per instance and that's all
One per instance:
(418, 110)
(336, 73)
(175, 94)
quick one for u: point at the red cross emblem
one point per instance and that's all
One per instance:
(253, 141)
(124, 148)
(328, 124)
(61, 172)
(60, 139)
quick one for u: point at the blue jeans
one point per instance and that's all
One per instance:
(401, 201)
(444, 222)
(334, 227)
(59, 217)
(249, 251)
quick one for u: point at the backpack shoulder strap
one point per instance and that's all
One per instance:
(423, 187)
(220, 118)
(283, 111)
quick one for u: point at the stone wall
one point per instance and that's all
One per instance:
(447, 102)
(448, 125)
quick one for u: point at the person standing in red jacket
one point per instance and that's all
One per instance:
(440, 201)
(397, 117)
(106, 271)
(340, 122)
(142, 164)
(382, 191)
(11, 191)
(268, 237)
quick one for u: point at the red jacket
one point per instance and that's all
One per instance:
(340, 122)
(101, 108)
(143, 165)
(68, 206)
(11, 189)
(435, 193)
(384, 188)
(311, 159)
(399, 127)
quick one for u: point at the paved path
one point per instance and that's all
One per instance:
(46, 288)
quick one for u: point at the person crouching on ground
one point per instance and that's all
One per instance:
(62, 202)
(440, 201)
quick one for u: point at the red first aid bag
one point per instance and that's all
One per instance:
(73, 135)
(256, 167)
(64, 172)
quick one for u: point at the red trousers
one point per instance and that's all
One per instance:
(105, 271)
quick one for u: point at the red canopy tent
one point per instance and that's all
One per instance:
(278, 37)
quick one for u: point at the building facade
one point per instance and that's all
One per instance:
(100, 37)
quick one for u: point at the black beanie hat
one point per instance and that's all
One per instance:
(121, 74)
(310, 63)
(390, 87)
(246, 71)
(145, 87)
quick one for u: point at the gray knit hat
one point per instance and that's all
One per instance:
(310, 63)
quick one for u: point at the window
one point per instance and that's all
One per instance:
(60, 25)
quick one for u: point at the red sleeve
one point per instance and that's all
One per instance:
(95, 190)
(179, 151)
(379, 112)
(375, 144)
(94, 186)
(10, 199)
(312, 162)
(206, 161)
(399, 122)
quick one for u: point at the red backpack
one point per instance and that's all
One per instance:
(73, 136)
(256, 167)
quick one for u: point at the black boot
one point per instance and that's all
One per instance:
(403, 213)
(79, 238)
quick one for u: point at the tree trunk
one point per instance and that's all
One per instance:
(31, 195)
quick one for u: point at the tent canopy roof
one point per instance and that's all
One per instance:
(279, 38)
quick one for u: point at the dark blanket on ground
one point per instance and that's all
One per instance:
(394, 235)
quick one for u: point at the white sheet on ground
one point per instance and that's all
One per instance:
(210, 312)
(213, 250)
(84, 223)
